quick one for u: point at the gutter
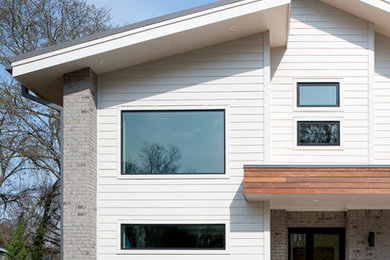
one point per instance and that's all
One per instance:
(26, 94)
(8, 67)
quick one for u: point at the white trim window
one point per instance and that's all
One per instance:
(172, 142)
(318, 133)
(173, 237)
(317, 119)
(318, 94)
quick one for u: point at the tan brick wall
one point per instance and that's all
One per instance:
(279, 235)
(358, 224)
(281, 220)
(79, 170)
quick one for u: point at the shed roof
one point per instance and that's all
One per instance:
(118, 48)
(42, 70)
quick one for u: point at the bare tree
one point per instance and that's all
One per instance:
(27, 25)
(155, 158)
(29, 132)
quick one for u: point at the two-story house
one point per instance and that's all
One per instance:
(242, 129)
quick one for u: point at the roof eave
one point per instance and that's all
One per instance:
(43, 72)
(374, 11)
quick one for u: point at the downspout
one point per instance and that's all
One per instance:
(26, 94)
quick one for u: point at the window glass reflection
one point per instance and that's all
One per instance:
(318, 94)
(318, 133)
(173, 236)
(298, 246)
(157, 142)
(326, 246)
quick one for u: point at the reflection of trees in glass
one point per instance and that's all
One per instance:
(312, 133)
(155, 158)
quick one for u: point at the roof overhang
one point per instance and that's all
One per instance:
(375, 11)
(43, 71)
(317, 187)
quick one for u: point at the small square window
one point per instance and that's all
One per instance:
(325, 133)
(318, 94)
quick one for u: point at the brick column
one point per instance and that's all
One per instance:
(279, 235)
(79, 169)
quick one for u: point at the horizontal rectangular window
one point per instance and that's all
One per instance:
(318, 94)
(173, 236)
(173, 142)
(318, 133)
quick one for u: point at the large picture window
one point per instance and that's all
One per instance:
(173, 142)
(318, 94)
(173, 236)
(318, 133)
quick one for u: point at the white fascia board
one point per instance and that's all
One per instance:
(142, 34)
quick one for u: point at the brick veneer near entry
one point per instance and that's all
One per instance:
(358, 224)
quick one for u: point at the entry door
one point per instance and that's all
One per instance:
(316, 243)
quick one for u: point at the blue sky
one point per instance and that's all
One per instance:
(130, 11)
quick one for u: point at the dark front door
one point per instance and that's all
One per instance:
(316, 243)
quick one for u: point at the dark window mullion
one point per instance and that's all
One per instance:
(342, 244)
(309, 246)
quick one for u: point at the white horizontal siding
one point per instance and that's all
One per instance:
(382, 100)
(324, 44)
(228, 75)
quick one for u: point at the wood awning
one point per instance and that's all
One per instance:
(365, 180)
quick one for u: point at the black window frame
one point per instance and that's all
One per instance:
(172, 110)
(122, 226)
(310, 231)
(318, 122)
(336, 84)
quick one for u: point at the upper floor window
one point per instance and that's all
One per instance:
(318, 94)
(318, 133)
(173, 142)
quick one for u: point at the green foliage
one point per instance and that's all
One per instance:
(17, 248)
(37, 249)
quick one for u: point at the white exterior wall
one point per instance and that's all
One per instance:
(325, 44)
(229, 76)
(382, 99)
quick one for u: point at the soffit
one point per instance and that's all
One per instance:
(44, 71)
